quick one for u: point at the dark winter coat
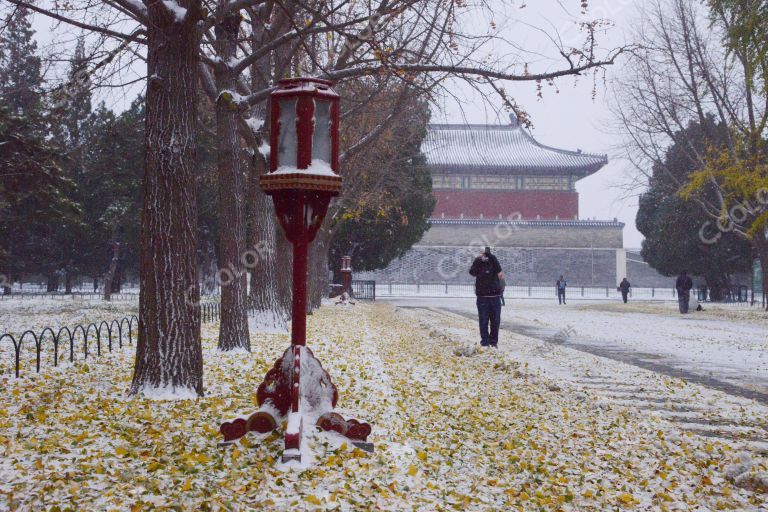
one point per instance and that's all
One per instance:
(486, 271)
(683, 283)
(624, 286)
(559, 287)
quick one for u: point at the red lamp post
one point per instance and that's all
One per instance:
(346, 280)
(303, 177)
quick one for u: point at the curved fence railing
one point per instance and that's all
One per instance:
(66, 344)
(102, 334)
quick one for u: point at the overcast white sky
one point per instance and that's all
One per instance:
(570, 119)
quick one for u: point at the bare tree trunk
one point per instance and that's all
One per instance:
(7, 282)
(169, 351)
(117, 281)
(761, 247)
(318, 268)
(270, 294)
(233, 329)
(68, 278)
(52, 282)
(208, 271)
(270, 298)
(110, 275)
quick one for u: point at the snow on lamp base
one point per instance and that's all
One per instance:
(295, 388)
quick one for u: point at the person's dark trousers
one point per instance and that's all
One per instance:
(624, 296)
(682, 301)
(561, 296)
(489, 316)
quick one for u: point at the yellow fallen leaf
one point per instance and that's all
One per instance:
(412, 470)
(120, 451)
(313, 499)
(422, 456)
(626, 498)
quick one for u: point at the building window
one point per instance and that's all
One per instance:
(502, 182)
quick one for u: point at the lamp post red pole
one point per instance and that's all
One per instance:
(299, 305)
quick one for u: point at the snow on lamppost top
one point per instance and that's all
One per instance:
(303, 177)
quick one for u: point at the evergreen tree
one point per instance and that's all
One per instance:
(676, 228)
(35, 196)
(385, 223)
(20, 67)
(68, 118)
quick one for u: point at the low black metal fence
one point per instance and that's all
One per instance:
(735, 294)
(110, 333)
(361, 290)
(364, 290)
(114, 332)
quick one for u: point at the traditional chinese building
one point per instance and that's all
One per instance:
(496, 185)
(496, 171)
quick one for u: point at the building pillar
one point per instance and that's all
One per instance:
(621, 265)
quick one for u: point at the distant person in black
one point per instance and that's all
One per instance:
(624, 287)
(488, 276)
(683, 286)
(560, 285)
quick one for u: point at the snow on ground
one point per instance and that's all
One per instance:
(452, 432)
(18, 315)
(36, 314)
(725, 345)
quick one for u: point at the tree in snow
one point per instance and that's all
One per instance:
(68, 118)
(390, 209)
(687, 71)
(35, 195)
(677, 230)
(418, 44)
(415, 45)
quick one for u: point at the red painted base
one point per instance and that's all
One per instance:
(296, 383)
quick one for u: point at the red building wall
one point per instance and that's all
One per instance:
(472, 203)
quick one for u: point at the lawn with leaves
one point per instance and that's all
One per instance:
(451, 432)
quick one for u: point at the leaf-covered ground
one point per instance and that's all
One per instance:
(451, 433)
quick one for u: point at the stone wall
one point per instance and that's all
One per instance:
(522, 266)
(642, 275)
(561, 234)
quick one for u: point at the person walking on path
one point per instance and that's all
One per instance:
(488, 275)
(624, 287)
(683, 286)
(560, 285)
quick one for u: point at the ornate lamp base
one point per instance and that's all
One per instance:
(295, 388)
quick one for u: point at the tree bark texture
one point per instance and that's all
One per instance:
(233, 328)
(318, 268)
(270, 295)
(110, 275)
(169, 351)
(761, 247)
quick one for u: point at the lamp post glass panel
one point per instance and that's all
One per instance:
(303, 173)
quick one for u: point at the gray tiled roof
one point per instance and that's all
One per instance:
(501, 149)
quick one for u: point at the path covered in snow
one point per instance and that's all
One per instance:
(722, 348)
(454, 429)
